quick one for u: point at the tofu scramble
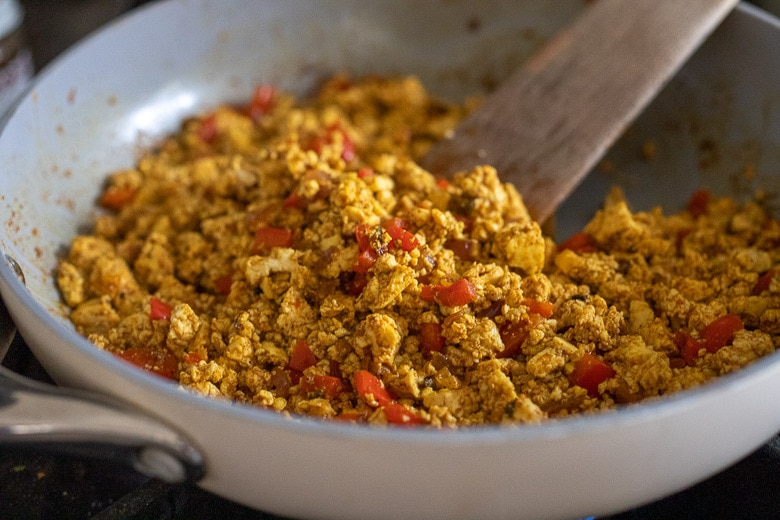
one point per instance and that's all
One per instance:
(291, 254)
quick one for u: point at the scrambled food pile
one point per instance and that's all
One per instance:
(293, 255)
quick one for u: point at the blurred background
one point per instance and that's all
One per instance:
(53, 25)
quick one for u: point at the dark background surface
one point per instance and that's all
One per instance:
(43, 485)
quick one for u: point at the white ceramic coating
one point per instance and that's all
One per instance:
(133, 81)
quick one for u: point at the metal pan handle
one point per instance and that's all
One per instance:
(37, 415)
(41, 416)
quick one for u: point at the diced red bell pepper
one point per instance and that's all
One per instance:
(468, 224)
(407, 241)
(347, 148)
(460, 292)
(263, 100)
(463, 248)
(347, 145)
(207, 129)
(365, 260)
(295, 201)
(365, 173)
(542, 308)
(699, 203)
(159, 310)
(192, 358)
(763, 283)
(223, 284)
(688, 345)
(589, 372)
(431, 339)
(348, 152)
(397, 229)
(399, 415)
(371, 390)
(117, 197)
(353, 282)
(681, 235)
(157, 360)
(330, 386)
(720, 332)
(442, 183)
(579, 243)
(428, 293)
(302, 357)
(362, 236)
(267, 237)
(513, 335)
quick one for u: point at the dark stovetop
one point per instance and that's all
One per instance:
(42, 485)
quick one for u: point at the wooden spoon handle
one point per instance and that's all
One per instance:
(550, 122)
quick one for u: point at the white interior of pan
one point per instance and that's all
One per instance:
(716, 125)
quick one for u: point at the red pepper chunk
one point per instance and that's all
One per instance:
(159, 310)
(302, 357)
(579, 243)
(431, 339)
(398, 414)
(262, 102)
(192, 358)
(513, 335)
(461, 292)
(589, 372)
(396, 228)
(347, 148)
(763, 283)
(699, 203)
(688, 345)
(371, 390)
(362, 237)
(365, 260)
(428, 293)
(207, 129)
(223, 284)
(116, 197)
(347, 145)
(330, 386)
(720, 332)
(348, 152)
(159, 361)
(463, 248)
(542, 308)
(295, 201)
(267, 237)
(353, 282)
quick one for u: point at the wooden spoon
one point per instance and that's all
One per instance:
(550, 122)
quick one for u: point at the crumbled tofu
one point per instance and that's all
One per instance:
(293, 255)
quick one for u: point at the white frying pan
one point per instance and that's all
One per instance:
(122, 88)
